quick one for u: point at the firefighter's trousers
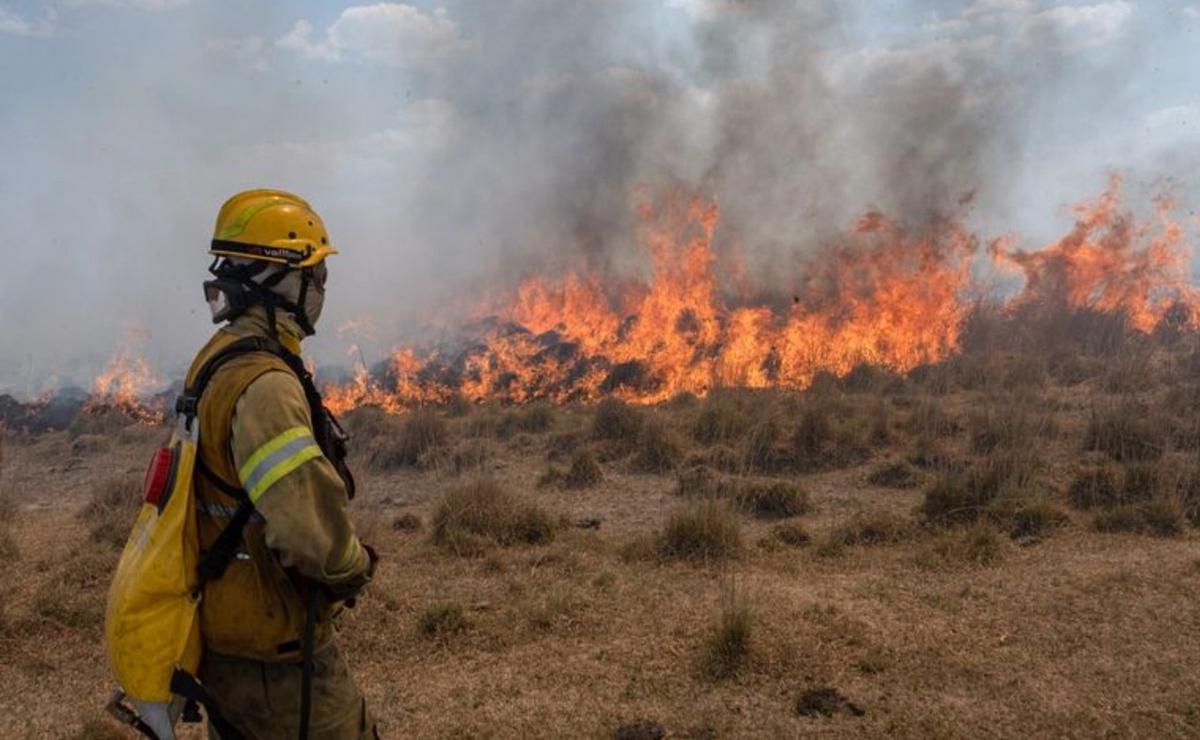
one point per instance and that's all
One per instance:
(263, 699)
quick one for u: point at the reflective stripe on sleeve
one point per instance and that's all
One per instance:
(349, 556)
(277, 458)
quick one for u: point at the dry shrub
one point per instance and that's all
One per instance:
(442, 621)
(1161, 517)
(1125, 432)
(1144, 481)
(658, 451)
(952, 500)
(1164, 516)
(762, 451)
(1071, 369)
(706, 531)
(366, 423)
(721, 419)
(535, 418)
(407, 441)
(719, 457)
(1094, 487)
(1119, 519)
(564, 444)
(727, 649)
(792, 534)
(894, 475)
(112, 509)
(864, 378)
(90, 444)
(1001, 425)
(616, 421)
(772, 499)
(1024, 371)
(469, 517)
(701, 481)
(818, 442)
(407, 522)
(871, 528)
(1130, 371)
(979, 544)
(880, 422)
(1189, 495)
(1031, 519)
(928, 419)
(471, 456)
(584, 471)
(457, 407)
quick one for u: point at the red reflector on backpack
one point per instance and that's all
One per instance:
(157, 475)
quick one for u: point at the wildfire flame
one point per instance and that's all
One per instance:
(1109, 262)
(883, 296)
(126, 381)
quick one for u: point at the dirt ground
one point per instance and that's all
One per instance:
(970, 630)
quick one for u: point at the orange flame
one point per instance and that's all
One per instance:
(883, 296)
(126, 380)
(1111, 263)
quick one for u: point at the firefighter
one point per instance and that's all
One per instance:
(264, 436)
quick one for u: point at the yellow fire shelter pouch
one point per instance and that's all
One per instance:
(152, 625)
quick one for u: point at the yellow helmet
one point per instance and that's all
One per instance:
(271, 226)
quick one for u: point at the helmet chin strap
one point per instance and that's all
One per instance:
(255, 292)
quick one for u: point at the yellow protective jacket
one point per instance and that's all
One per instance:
(256, 433)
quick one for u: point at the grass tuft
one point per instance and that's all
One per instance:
(772, 499)
(442, 621)
(705, 531)
(1125, 432)
(584, 472)
(657, 449)
(469, 517)
(727, 649)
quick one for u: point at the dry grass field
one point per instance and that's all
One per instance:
(998, 546)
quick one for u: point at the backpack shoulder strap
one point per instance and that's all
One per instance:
(215, 560)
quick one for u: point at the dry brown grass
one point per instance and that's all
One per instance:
(470, 517)
(769, 499)
(721, 420)
(112, 509)
(727, 649)
(1125, 431)
(705, 531)
(908, 634)
(394, 443)
(658, 449)
(616, 421)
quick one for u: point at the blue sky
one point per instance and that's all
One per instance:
(125, 123)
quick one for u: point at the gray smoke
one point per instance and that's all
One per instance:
(520, 149)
